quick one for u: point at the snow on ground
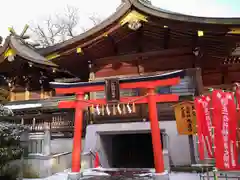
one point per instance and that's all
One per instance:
(184, 176)
(58, 176)
(173, 176)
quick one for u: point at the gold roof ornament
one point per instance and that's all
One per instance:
(234, 31)
(200, 33)
(52, 56)
(10, 54)
(79, 50)
(133, 19)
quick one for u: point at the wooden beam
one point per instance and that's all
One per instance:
(114, 45)
(140, 69)
(196, 59)
(220, 86)
(67, 80)
(130, 85)
(223, 74)
(136, 100)
(139, 39)
(92, 41)
(149, 54)
(198, 82)
(166, 38)
(231, 66)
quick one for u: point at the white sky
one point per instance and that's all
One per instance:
(17, 13)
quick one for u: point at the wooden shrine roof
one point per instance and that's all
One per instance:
(23, 52)
(161, 30)
(220, 25)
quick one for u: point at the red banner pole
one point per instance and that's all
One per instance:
(237, 95)
(77, 139)
(233, 123)
(207, 125)
(155, 130)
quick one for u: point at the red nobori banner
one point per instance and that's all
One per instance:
(237, 94)
(199, 116)
(205, 124)
(225, 134)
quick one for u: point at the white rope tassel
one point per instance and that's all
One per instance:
(108, 110)
(119, 109)
(129, 108)
(98, 110)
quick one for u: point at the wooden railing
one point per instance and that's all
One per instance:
(30, 95)
(56, 123)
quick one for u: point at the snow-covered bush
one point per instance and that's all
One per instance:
(10, 149)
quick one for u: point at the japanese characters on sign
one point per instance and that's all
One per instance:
(185, 118)
(204, 123)
(112, 90)
(189, 118)
(225, 120)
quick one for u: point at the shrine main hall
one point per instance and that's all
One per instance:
(153, 60)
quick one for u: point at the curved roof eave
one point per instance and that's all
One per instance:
(5, 46)
(28, 53)
(123, 9)
(161, 13)
(148, 9)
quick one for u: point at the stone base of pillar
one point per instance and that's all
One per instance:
(161, 176)
(74, 176)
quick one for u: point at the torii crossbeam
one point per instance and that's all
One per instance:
(145, 82)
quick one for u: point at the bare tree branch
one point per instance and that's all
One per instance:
(71, 21)
(95, 20)
(41, 36)
(60, 27)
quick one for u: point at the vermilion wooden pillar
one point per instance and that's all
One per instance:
(155, 131)
(77, 139)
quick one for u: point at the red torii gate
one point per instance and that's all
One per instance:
(146, 82)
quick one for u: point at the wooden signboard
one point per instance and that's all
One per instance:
(112, 90)
(185, 118)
